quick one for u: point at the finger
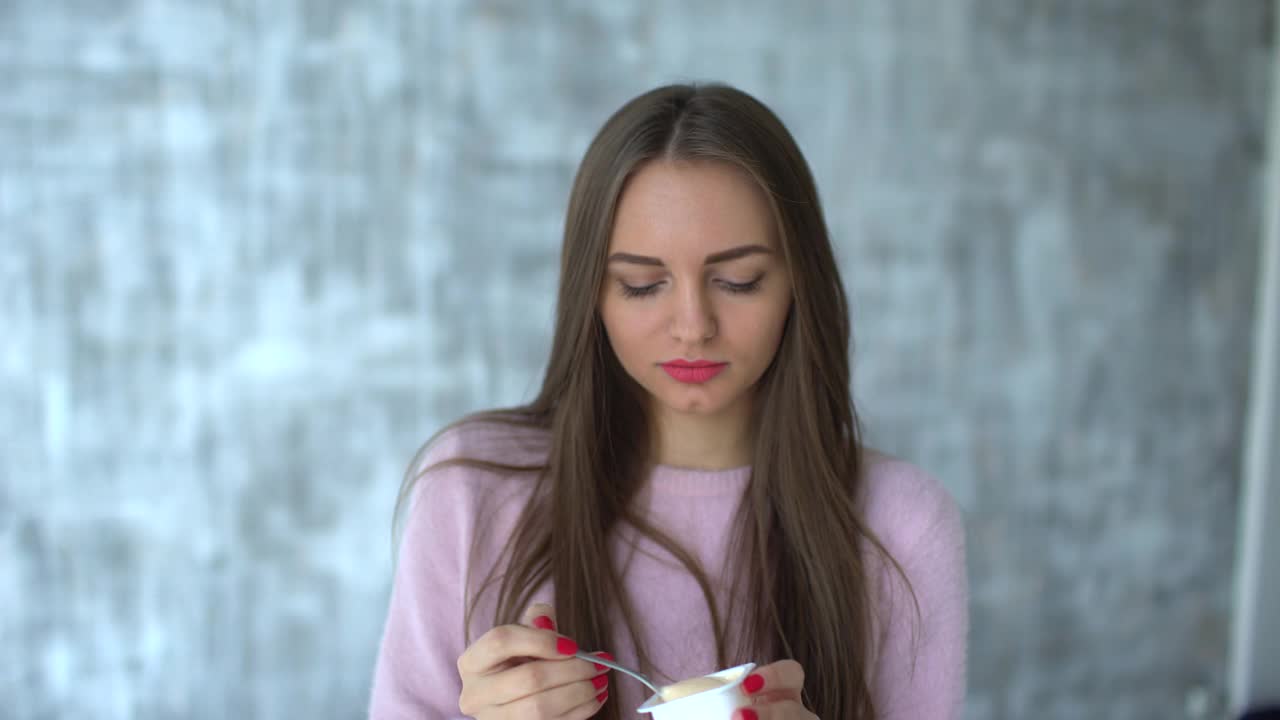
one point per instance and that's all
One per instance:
(531, 679)
(588, 709)
(785, 710)
(765, 697)
(782, 679)
(606, 656)
(539, 615)
(511, 641)
(556, 702)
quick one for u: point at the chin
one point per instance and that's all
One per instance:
(694, 406)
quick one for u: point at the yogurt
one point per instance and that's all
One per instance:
(692, 686)
(710, 696)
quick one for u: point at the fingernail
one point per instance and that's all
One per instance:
(542, 622)
(602, 696)
(747, 714)
(565, 646)
(600, 681)
(753, 683)
(604, 655)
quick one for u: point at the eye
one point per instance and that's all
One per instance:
(633, 292)
(743, 288)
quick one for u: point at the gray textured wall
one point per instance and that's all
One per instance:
(251, 254)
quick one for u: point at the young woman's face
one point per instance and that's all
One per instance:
(695, 277)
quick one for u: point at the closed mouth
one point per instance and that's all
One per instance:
(693, 372)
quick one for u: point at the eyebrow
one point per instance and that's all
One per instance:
(713, 258)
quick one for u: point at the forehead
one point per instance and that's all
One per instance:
(699, 207)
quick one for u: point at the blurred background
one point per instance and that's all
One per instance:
(252, 254)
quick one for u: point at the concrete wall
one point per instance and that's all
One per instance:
(251, 254)
(1254, 676)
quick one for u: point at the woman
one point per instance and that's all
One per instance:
(688, 491)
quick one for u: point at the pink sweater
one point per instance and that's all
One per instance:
(919, 671)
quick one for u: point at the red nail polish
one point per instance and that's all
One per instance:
(604, 655)
(542, 622)
(600, 681)
(753, 683)
(747, 714)
(565, 646)
(602, 696)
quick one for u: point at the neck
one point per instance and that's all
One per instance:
(701, 442)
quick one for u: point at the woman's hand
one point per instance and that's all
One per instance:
(528, 671)
(775, 693)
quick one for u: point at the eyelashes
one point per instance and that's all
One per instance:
(741, 288)
(635, 292)
(729, 287)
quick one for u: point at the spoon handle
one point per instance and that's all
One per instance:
(615, 666)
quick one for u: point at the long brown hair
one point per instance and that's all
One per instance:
(798, 594)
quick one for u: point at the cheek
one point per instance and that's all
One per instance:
(770, 338)
(625, 330)
(759, 328)
(630, 318)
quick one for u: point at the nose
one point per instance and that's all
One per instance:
(693, 320)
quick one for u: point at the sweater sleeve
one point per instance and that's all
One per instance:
(922, 662)
(416, 676)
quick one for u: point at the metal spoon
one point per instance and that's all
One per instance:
(611, 664)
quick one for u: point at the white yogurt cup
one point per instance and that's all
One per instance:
(715, 704)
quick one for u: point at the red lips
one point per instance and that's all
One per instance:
(693, 371)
